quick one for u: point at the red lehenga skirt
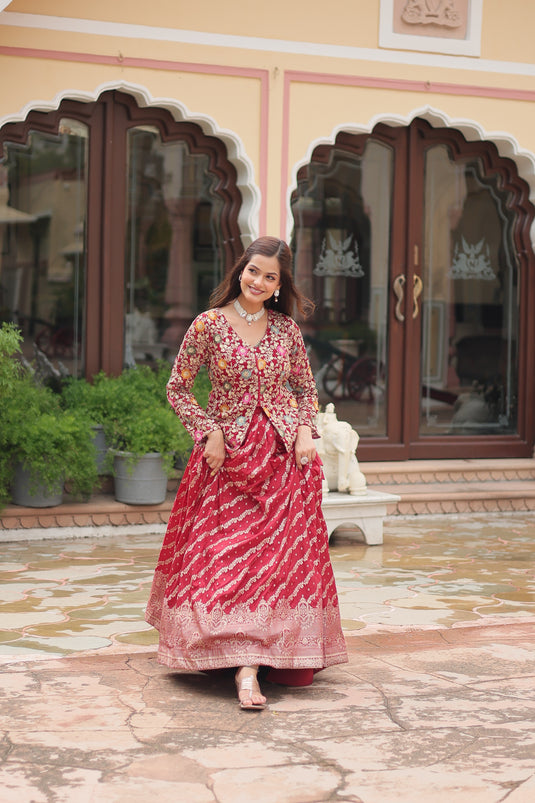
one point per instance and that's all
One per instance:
(244, 575)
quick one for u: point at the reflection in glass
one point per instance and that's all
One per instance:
(174, 251)
(42, 242)
(341, 243)
(470, 305)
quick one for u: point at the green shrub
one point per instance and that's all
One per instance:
(56, 447)
(134, 411)
(51, 443)
(151, 430)
(50, 434)
(10, 368)
(10, 373)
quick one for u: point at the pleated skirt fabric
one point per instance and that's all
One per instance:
(244, 575)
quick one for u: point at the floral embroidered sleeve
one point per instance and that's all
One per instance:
(192, 355)
(302, 383)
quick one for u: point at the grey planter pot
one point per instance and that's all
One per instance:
(29, 494)
(143, 482)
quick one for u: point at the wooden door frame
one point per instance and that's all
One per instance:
(403, 414)
(108, 120)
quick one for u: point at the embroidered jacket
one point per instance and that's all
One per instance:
(274, 375)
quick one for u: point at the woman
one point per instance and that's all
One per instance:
(244, 577)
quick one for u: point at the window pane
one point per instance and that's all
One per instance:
(174, 253)
(341, 242)
(42, 242)
(470, 301)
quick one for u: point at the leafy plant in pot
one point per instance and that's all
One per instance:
(146, 443)
(107, 400)
(43, 445)
(139, 425)
(91, 400)
(49, 450)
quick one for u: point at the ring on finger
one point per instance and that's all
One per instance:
(304, 460)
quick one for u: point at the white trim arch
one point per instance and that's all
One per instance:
(505, 143)
(248, 217)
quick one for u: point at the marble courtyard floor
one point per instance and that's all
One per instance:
(437, 702)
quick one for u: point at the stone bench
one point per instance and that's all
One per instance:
(366, 511)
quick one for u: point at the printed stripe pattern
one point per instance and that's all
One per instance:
(244, 574)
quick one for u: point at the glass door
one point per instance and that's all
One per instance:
(343, 215)
(470, 286)
(415, 246)
(173, 252)
(43, 213)
(469, 267)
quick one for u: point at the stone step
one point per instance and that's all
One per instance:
(418, 499)
(455, 486)
(412, 472)
(424, 487)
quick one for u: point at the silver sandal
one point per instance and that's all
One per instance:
(246, 684)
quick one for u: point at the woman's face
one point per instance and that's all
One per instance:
(260, 278)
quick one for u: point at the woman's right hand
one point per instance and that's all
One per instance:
(214, 450)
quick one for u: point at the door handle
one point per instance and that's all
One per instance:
(399, 289)
(416, 293)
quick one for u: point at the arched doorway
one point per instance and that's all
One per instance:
(415, 245)
(115, 223)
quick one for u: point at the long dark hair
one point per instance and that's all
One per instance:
(290, 298)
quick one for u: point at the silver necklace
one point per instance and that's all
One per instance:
(249, 316)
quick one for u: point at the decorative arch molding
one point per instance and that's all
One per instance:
(506, 145)
(248, 216)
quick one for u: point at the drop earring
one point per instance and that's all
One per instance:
(276, 294)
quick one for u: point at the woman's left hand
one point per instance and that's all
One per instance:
(305, 451)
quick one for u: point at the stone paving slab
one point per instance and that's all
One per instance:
(446, 716)
(61, 597)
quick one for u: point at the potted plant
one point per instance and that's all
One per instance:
(146, 443)
(143, 433)
(108, 399)
(146, 440)
(48, 450)
(91, 400)
(146, 433)
(42, 445)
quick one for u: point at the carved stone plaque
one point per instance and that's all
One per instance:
(436, 18)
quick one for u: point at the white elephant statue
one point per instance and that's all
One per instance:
(337, 448)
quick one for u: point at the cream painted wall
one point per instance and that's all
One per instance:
(508, 25)
(349, 22)
(356, 107)
(507, 31)
(202, 95)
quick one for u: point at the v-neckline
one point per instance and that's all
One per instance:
(240, 338)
